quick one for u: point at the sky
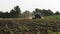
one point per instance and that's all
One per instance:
(7, 5)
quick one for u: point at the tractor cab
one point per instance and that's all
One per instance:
(37, 15)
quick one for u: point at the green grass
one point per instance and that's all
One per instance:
(53, 17)
(58, 32)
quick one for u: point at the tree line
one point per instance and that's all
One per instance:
(16, 13)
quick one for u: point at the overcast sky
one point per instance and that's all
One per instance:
(7, 5)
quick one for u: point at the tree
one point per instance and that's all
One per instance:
(6, 15)
(1, 14)
(26, 13)
(50, 12)
(46, 12)
(18, 11)
(57, 13)
(12, 13)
